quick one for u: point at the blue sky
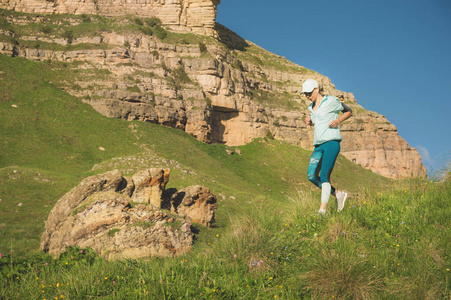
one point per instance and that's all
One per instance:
(394, 55)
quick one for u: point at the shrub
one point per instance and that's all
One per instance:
(133, 89)
(113, 231)
(146, 30)
(69, 36)
(85, 18)
(153, 21)
(138, 21)
(160, 32)
(181, 75)
(269, 135)
(202, 48)
(208, 100)
(46, 29)
(238, 65)
(72, 255)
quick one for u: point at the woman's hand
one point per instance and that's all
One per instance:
(337, 121)
(308, 121)
(334, 123)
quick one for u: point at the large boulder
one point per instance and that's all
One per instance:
(122, 217)
(71, 200)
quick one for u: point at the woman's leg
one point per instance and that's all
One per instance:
(314, 166)
(331, 150)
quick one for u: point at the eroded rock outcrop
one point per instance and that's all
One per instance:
(196, 16)
(121, 217)
(196, 202)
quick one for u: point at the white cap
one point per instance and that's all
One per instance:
(309, 85)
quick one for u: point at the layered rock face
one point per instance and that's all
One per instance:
(196, 16)
(371, 141)
(98, 213)
(221, 91)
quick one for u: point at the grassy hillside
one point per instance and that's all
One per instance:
(50, 141)
(391, 241)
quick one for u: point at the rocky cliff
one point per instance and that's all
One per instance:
(219, 88)
(196, 16)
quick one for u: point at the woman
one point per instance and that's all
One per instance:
(324, 115)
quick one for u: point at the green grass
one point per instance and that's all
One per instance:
(48, 128)
(390, 245)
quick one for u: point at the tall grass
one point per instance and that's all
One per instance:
(393, 245)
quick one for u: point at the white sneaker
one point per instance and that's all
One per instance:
(322, 212)
(341, 199)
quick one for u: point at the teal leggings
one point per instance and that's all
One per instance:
(322, 163)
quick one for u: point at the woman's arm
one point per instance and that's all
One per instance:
(347, 113)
